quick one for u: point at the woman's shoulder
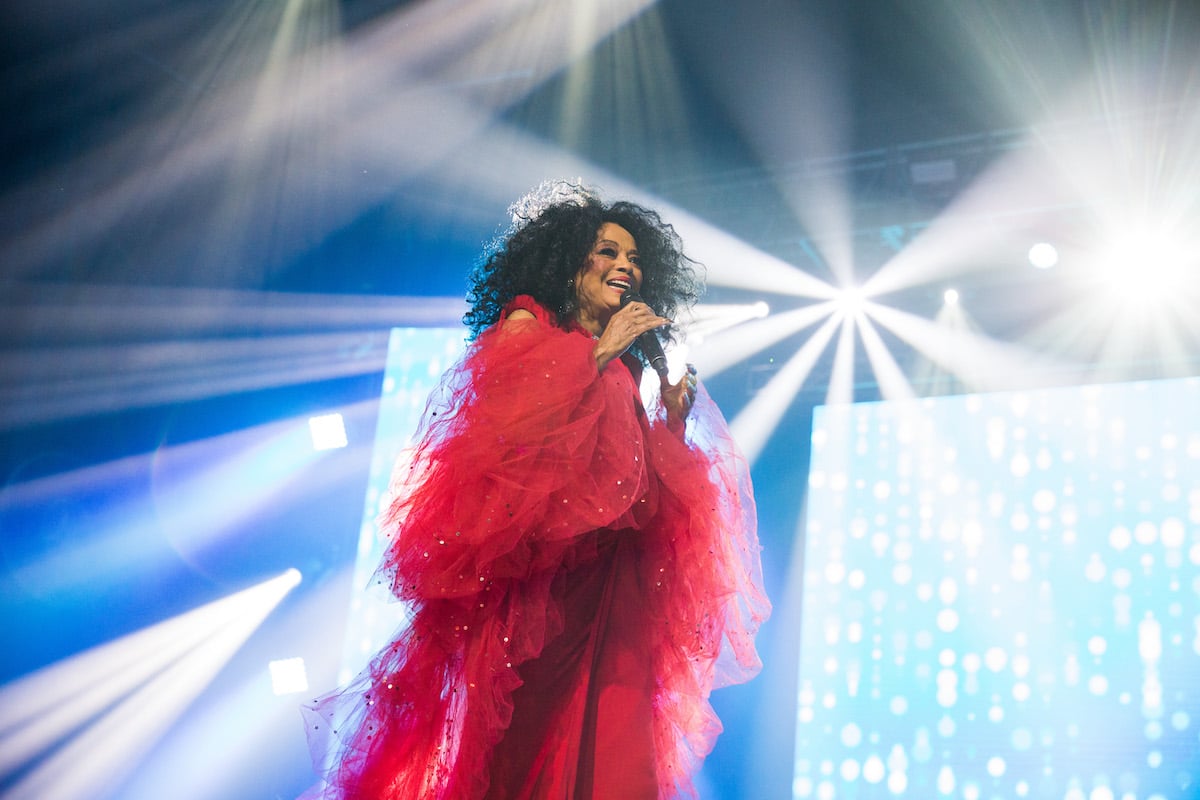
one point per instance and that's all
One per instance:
(524, 306)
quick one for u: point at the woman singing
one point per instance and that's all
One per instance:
(582, 570)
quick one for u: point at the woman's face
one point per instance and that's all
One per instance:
(610, 271)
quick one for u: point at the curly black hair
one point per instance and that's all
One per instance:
(543, 252)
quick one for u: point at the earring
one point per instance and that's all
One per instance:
(568, 304)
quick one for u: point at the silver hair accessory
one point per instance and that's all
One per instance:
(550, 193)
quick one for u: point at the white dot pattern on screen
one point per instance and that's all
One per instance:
(1024, 610)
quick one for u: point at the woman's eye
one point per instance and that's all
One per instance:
(608, 251)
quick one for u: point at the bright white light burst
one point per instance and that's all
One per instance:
(1043, 255)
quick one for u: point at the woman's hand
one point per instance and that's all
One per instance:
(623, 329)
(679, 397)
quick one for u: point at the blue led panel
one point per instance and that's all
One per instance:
(1001, 597)
(417, 358)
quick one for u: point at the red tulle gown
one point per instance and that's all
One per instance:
(581, 577)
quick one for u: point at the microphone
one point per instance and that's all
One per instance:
(648, 341)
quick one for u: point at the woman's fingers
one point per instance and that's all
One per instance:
(632, 321)
(643, 317)
(680, 397)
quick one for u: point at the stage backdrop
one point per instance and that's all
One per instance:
(1001, 597)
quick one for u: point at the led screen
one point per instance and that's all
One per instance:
(1001, 597)
(416, 359)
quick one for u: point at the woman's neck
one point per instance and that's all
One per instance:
(589, 323)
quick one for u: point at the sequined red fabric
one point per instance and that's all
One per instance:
(580, 576)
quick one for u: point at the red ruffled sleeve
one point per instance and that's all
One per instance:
(527, 446)
(704, 564)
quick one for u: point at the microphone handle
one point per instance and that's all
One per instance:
(648, 341)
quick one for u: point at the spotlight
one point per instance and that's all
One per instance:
(1145, 266)
(1043, 255)
(950, 297)
(288, 676)
(328, 431)
(850, 301)
(761, 310)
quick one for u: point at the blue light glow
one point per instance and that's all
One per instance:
(1000, 597)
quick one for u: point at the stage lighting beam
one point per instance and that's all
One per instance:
(753, 426)
(979, 362)
(893, 385)
(841, 378)
(706, 319)
(726, 348)
(89, 749)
